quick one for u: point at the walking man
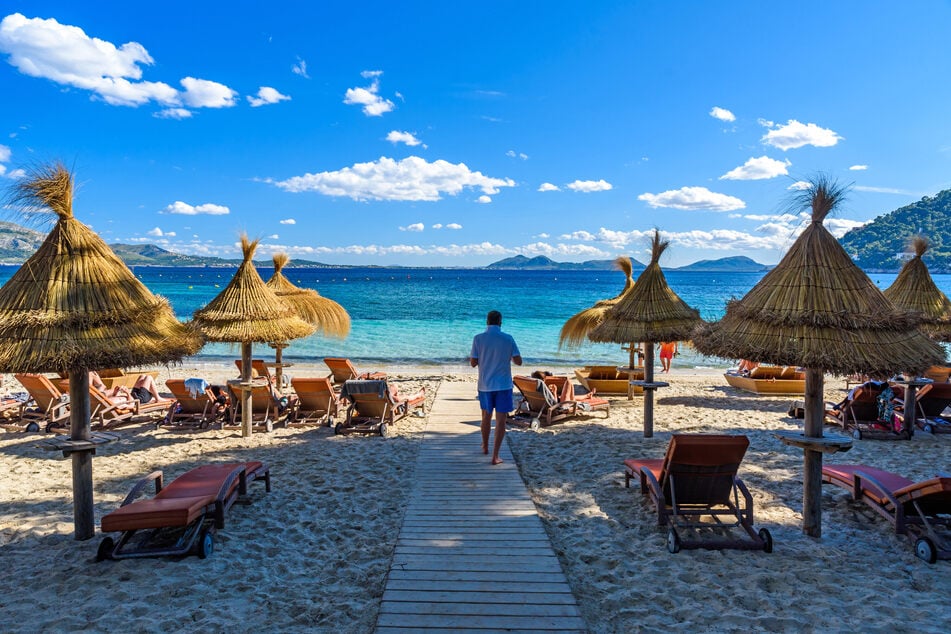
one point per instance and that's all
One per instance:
(493, 352)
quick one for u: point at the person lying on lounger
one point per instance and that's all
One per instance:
(144, 390)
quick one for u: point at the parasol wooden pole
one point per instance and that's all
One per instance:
(648, 389)
(79, 427)
(279, 365)
(245, 388)
(812, 460)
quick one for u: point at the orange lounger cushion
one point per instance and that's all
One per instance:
(205, 480)
(653, 464)
(844, 475)
(156, 512)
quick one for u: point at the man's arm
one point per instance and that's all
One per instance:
(473, 361)
(517, 359)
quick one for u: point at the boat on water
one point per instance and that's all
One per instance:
(769, 379)
(609, 379)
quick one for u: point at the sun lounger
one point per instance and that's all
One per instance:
(932, 400)
(861, 414)
(375, 406)
(267, 410)
(342, 370)
(50, 407)
(196, 407)
(696, 480)
(915, 507)
(106, 413)
(262, 369)
(317, 402)
(543, 406)
(182, 517)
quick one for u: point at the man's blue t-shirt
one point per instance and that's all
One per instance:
(494, 349)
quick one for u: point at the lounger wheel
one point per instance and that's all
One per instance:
(106, 546)
(33, 427)
(535, 424)
(925, 549)
(206, 544)
(384, 430)
(928, 428)
(673, 541)
(338, 428)
(767, 538)
(857, 433)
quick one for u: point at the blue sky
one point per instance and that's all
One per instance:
(456, 134)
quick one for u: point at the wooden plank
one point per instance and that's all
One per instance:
(532, 602)
(459, 623)
(502, 566)
(516, 588)
(436, 630)
(453, 576)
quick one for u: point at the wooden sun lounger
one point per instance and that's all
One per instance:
(545, 409)
(858, 415)
(106, 415)
(50, 408)
(317, 403)
(342, 370)
(695, 480)
(375, 406)
(931, 402)
(266, 410)
(182, 517)
(194, 410)
(911, 507)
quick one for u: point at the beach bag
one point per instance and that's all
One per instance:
(797, 410)
(886, 409)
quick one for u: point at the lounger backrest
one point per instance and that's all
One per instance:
(99, 402)
(791, 373)
(313, 394)
(535, 392)
(932, 496)
(766, 372)
(701, 467)
(938, 374)
(41, 389)
(934, 398)
(189, 404)
(341, 368)
(257, 365)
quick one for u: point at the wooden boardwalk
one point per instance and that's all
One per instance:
(472, 554)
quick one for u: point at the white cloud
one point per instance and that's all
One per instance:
(484, 199)
(454, 225)
(437, 226)
(396, 136)
(178, 207)
(883, 190)
(722, 114)
(5, 154)
(266, 95)
(273, 236)
(585, 236)
(693, 198)
(159, 233)
(758, 169)
(416, 226)
(795, 134)
(173, 113)
(548, 187)
(858, 168)
(590, 186)
(202, 93)
(66, 55)
(300, 68)
(520, 155)
(288, 221)
(555, 250)
(373, 104)
(799, 186)
(412, 178)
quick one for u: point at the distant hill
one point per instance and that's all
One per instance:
(737, 264)
(881, 244)
(543, 263)
(18, 243)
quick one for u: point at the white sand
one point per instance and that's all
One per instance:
(313, 554)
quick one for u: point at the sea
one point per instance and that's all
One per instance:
(426, 318)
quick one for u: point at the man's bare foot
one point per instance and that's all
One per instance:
(496, 461)
(485, 450)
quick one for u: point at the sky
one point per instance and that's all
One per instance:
(457, 134)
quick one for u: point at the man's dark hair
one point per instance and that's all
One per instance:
(494, 318)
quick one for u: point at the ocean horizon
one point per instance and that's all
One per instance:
(422, 318)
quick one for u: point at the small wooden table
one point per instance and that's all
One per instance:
(911, 388)
(68, 446)
(826, 444)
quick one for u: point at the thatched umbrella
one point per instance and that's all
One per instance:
(818, 310)
(330, 318)
(247, 311)
(75, 306)
(576, 329)
(649, 312)
(914, 289)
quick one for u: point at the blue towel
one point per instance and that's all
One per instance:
(196, 386)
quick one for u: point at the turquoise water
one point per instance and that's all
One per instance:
(427, 317)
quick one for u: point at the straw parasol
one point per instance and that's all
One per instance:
(576, 329)
(649, 312)
(74, 306)
(247, 311)
(914, 289)
(330, 318)
(818, 310)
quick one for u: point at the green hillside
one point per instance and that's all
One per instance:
(880, 245)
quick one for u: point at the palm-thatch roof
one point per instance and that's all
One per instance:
(248, 311)
(914, 289)
(817, 309)
(74, 303)
(328, 316)
(576, 329)
(650, 311)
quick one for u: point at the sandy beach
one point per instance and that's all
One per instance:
(314, 553)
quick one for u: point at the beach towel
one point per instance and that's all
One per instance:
(196, 386)
(363, 387)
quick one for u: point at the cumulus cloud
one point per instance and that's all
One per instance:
(288, 221)
(454, 225)
(416, 226)
(758, 169)
(66, 55)
(722, 114)
(266, 96)
(409, 138)
(799, 186)
(520, 155)
(412, 178)
(548, 187)
(693, 198)
(858, 168)
(485, 200)
(300, 68)
(795, 135)
(178, 207)
(159, 233)
(373, 104)
(438, 225)
(173, 113)
(590, 186)
(5, 155)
